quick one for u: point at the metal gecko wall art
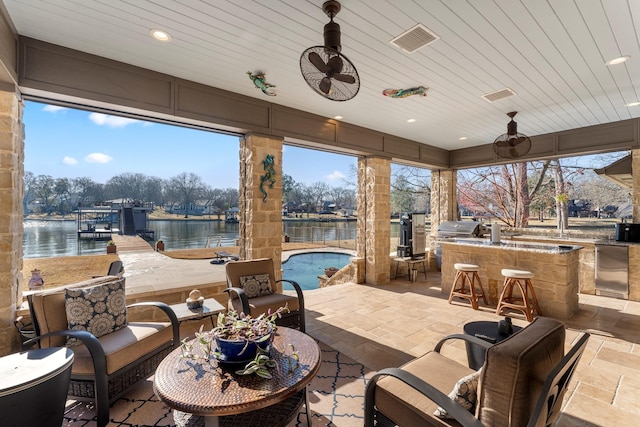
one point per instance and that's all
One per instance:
(403, 93)
(269, 178)
(258, 79)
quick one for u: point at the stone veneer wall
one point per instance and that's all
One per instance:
(374, 212)
(556, 280)
(444, 206)
(260, 220)
(11, 216)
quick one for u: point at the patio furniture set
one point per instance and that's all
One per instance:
(522, 377)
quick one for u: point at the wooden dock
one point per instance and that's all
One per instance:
(131, 243)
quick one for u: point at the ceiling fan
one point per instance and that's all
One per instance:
(326, 70)
(512, 145)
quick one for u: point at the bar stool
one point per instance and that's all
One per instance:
(528, 303)
(467, 284)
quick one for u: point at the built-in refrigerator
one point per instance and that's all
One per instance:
(612, 271)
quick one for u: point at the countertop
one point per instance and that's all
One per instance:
(514, 245)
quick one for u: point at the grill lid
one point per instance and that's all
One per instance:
(461, 228)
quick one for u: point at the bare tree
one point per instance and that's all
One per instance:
(88, 191)
(188, 187)
(62, 189)
(44, 191)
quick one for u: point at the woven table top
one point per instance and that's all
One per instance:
(201, 387)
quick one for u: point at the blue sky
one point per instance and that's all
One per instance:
(69, 143)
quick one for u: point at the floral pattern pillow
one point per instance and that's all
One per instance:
(256, 285)
(99, 309)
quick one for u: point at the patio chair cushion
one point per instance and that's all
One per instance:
(51, 312)
(268, 302)
(414, 408)
(515, 370)
(99, 309)
(256, 285)
(124, 346)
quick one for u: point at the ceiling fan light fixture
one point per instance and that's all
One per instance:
(512, 145)
(325, 69)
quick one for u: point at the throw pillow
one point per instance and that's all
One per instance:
(256, 285)
(465, 392)
(99, 309)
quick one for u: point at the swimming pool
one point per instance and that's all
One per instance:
(305, 268)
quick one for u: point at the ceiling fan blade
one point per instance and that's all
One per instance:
(503, 144)
(317, 61)
(335, 64)
(325, 85)
(346, 78)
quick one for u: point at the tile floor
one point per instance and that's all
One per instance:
(383, 326)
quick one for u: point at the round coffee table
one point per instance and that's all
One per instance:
(224, 398)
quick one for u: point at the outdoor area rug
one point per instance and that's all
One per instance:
(336, 397)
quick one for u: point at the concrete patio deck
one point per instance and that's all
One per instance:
(384, 326)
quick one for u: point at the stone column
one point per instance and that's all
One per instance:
(11, 216)
(444, 204)
(374, 213)
(260, 214)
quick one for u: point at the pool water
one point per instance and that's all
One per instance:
(305, 268)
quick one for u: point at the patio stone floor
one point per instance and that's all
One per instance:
(384, 326)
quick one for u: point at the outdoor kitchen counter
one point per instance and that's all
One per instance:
(555, 268)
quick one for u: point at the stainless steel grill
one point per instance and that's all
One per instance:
(457, 229)
(461, 229)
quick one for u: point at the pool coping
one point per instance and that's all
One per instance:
(285, 256)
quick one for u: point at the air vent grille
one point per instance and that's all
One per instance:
(501, 94)
(414, 38)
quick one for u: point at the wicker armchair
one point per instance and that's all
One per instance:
(522, 383)
(241, 299)
(104, 368)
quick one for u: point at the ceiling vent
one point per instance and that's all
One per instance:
(415, 38)
(501, 94)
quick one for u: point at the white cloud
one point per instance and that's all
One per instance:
(111, 121)
(98, 158)
(53, 108)
(335, 175)
(69, 160)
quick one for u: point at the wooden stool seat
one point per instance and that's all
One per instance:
(467, 284)
(517, 274)
(527, 303)
(466, 267)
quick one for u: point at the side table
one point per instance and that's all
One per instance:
(34, 386)
(487, 331)
(210, 308)
(411, 263)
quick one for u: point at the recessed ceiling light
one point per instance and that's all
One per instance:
(632, 104)
(337, 117)
(462, 138)
(411, 120)
(160, 35)
(618, 60)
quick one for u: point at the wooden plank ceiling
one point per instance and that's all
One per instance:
(552, 54)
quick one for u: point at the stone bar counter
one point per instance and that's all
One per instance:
(556, 270)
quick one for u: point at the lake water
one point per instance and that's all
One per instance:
(43, 239)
